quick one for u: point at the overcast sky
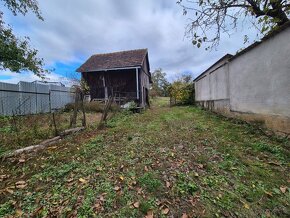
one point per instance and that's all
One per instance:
(73, 30)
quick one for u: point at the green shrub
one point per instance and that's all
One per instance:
(94, 106)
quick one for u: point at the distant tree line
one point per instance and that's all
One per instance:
(181, 90)
(159, 84)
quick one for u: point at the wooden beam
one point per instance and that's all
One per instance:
(137, 82)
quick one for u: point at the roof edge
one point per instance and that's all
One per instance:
(226, 56)
(132, 50)
(250, 47)
(265, 38)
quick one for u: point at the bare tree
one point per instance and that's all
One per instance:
(220, 16)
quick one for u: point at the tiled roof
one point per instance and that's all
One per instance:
(113, 60)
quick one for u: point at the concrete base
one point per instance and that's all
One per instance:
(277, 123)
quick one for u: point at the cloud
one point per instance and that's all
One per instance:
(74, 30)
(9, 77)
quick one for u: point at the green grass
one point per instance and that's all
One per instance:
(182, 158)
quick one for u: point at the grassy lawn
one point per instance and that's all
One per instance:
(166, 161)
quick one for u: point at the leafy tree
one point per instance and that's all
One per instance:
(16, 53)
(181, 91)
(160, 83)
(221, 16)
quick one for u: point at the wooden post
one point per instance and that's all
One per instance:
(75, 113)
(54, 125)
(137, 83)
(105, 112)
(83, 110)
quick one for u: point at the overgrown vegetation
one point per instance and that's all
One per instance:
(166, 162)
(181, 91)
(93, 106)
(22, 131)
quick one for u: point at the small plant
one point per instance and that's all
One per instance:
(277, 151)
(6, 208)
(150, 182)
(145, 206)
(86, 210)
(184, 185)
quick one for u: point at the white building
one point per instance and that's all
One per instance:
(254, 84)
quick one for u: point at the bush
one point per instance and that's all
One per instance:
(182, 92)
(92, 106)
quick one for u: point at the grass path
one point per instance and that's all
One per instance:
(169, 162)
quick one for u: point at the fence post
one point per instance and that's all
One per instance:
(2, 106)
(49, 100)
(75, 112)
(36, 106)
(54, 124)
(83, 109)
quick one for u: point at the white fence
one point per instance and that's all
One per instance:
(33, 98)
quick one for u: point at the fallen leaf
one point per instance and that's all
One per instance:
(246, 206)
(83, 180)
(21, 184)
(21, 160)
(167, 184)
(117, 188)
(2, 177)
(37, 211)
(10, 191)
(283, 189)
(274, 163)
(200, 166)
(99, 168)
(121, 178)
(165, 211)
(98, 207)
(146, 168)
(70, 180)
(18, 213)
(149, 214)
(139, 191)
(268, 213)
(136, 204)
(184, 215)
(102, 198)
(269, 193)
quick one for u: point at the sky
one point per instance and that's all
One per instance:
(74, 30)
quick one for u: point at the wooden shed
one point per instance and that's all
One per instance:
(125, 75)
